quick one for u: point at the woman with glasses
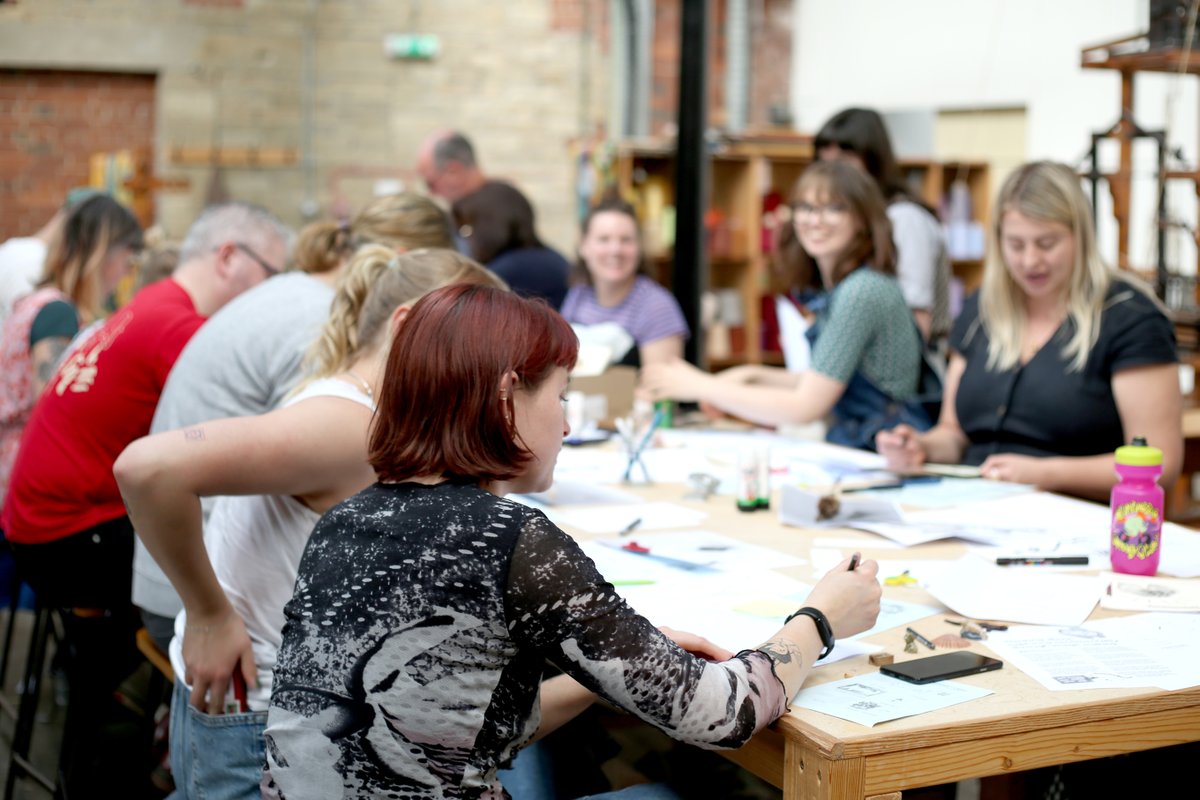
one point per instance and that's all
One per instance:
(858, 136)
(866, 351)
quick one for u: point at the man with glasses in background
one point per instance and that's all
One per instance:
(64, 515)
(242, 362)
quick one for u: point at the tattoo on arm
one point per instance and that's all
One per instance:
(45, 359)
(193, 434)
(781, 650)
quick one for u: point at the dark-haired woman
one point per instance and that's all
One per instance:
(426, 605)
(497, 223)
(86, 260)
(858, 135)
(866, 359)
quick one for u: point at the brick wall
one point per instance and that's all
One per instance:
(525, 79)
(50, 124)
(770, 59)
(770, 65)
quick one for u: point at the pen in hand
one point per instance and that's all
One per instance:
(854, 562)
(631, 527)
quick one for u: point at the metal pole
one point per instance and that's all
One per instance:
(689, 275)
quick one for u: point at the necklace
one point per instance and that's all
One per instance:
(366, 387)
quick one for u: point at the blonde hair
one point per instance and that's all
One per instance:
(402, 221)
(1047, 192)
(376, 282)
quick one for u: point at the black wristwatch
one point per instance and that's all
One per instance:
(823, 628)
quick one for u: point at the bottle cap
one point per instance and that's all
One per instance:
(1139, 454)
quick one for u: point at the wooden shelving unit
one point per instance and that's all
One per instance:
(744, 172)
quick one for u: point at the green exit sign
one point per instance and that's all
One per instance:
(412, 46)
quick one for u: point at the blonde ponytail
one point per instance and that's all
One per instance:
(321, 247)
(376, 283)
(338, 342)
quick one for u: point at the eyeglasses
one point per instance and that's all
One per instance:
(830, 212)
(267, 266)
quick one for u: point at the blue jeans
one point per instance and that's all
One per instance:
(532, 778)
(215, 758)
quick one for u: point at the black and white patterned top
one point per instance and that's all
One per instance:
(416, 637)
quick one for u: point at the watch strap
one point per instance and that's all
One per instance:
(824, 629)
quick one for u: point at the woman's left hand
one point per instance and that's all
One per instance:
(1014, 469)
(697, 645)
(674, 380)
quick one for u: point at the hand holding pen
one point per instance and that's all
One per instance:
(849, 596)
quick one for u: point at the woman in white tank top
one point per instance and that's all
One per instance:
(276, 473)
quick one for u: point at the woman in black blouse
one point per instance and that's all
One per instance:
(426, 606)
(1057, 360)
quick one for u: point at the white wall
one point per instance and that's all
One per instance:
(954, 54)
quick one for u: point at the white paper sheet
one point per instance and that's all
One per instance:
(1143, 650)
(613, 519)
(802, 508)
(1145, 593)
(873, 698)
(978, 589)
(1026, 524)
(724, 553)
(922, 571)
(797, 352)
(737, 610)
(579, 493)
(950, 492)
(853, 544)
(1180, 552)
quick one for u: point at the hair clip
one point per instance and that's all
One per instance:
(394, 263)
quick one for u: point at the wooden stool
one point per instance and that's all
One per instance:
(162, 680)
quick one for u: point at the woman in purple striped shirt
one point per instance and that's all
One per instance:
(611, 286)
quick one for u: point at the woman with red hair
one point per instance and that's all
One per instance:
(427, 605)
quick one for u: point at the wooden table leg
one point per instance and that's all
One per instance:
(809, 775)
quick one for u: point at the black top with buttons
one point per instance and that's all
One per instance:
(1041, 408)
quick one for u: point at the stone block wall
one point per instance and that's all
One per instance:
(525, 79)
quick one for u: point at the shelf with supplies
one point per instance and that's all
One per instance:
(751, 179)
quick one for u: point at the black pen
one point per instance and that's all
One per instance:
(853, 562)
(1034, 561)
(631, 527)
(922, 639)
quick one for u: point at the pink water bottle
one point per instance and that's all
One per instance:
(1137, 509)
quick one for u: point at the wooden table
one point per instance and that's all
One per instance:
(1020, 726)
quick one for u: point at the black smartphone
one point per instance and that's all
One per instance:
(939, 668)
